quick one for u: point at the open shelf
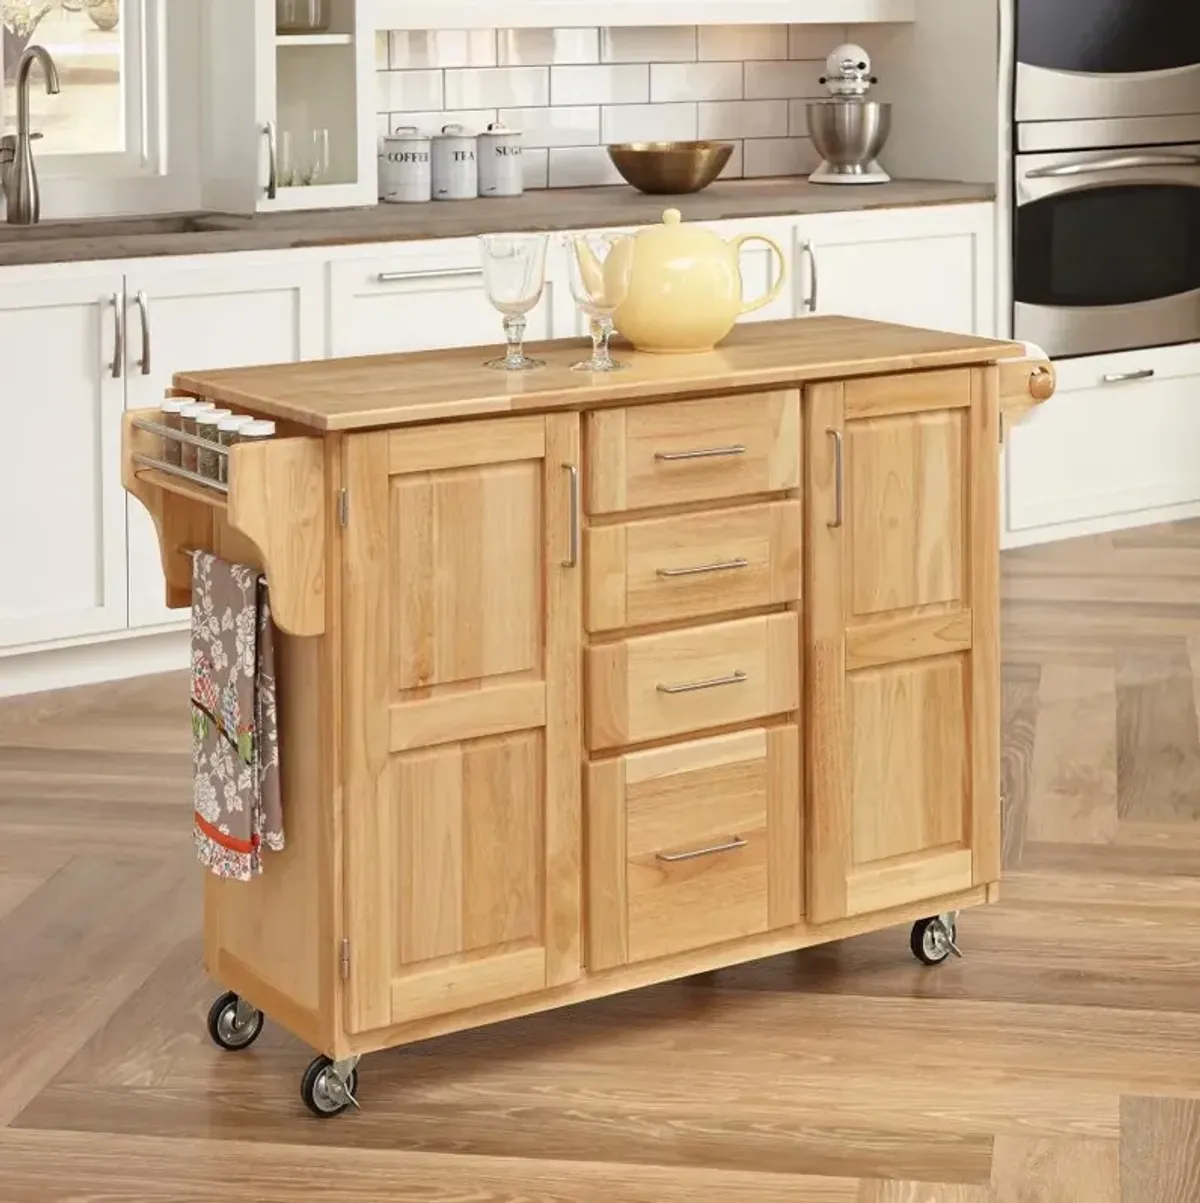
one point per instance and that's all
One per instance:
(314, 39)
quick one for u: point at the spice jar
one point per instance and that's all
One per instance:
(206, 428)
(256, 430)
(227, 430)
(172, 408)
(187, 425)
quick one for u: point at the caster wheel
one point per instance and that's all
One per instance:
(233, 1024)
(934, 940)
(323, 1092)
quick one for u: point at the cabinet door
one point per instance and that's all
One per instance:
(463, 627)
(416, 298)
(62, 541)
(902, 596)
(919, 267)
(226, 313)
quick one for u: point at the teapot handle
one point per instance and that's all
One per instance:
(777, 285)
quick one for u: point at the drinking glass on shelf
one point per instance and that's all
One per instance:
(514, 274)
(318, 160)
(287, 172)
(599, 274)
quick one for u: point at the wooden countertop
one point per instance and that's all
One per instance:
(430, 386)
(549, 209)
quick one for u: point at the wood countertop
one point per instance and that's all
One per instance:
(430, 386)
(548, 210)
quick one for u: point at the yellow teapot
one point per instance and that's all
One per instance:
(682, 285)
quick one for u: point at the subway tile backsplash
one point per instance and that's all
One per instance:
(573, 90)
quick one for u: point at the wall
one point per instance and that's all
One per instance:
(571, 91)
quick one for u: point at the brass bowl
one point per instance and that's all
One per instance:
(670, 167)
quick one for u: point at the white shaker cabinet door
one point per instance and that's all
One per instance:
(424, 296)
(214, 312)
(62, 508)
(931, 267)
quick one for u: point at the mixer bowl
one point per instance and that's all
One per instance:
(849, 134)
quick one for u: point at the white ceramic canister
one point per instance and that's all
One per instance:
(500, 167)
(455, 164)
(405, 169)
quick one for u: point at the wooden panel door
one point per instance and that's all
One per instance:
(463, 625)
(903, 590)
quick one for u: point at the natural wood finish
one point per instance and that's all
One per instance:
(436, 448)
(625, 704)
(874, 888)
(1024, 385)
(760, 432)
(914, 393)
(1160, 1150)
(910, 638)
(463, 828)
(429, 386)
(277, 495)
(624, 562)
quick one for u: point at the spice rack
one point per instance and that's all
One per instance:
(270, 514)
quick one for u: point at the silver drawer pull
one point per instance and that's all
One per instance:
(668, 457)
(1126, 377)
(670, 858)
(701, 569)
(712, 683)
(434, 273)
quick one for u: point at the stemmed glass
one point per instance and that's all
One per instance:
(599, 268)
(514, 274)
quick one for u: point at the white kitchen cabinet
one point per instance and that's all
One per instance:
(207, 312)
(62, 539)
(261, 89)
(423, 295)
(1115, 447)
(931, 267)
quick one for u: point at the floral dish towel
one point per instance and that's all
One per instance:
(235, 739)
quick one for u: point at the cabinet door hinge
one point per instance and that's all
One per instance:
(345, 959)
(344, 506)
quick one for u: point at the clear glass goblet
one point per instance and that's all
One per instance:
(599, 270)
(514, 274)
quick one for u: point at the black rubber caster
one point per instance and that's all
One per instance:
(935, 939)
(324, 1093)
(232, 1024)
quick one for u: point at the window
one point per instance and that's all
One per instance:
(102, 120)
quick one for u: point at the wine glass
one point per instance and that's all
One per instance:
(514, 274)
(287, 159)
(318, 162)
(599, 269)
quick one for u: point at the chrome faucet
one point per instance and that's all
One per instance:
(18, 175)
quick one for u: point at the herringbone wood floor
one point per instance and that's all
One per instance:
(1060, 1062)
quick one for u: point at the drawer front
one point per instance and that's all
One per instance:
(661, 685)
(663, 569)
(688, 451)
(693, 844)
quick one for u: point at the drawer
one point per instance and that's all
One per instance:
(654, 686)
(693, 844)
(688, 451)
(663, 569)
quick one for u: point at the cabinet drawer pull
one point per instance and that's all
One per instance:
(437, 273)
(712, 683)
(839, 480)
(573, 552)
(670, 858)
(118, 360)
(668, 457)
(1126, 377)
(272, 188)
(702, 569)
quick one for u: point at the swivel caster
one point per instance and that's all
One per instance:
(328, 1087)
(233, 1023)
(935, 939)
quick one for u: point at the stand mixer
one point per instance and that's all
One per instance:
(849, 130)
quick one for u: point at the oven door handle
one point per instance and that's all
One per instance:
(1116, 163)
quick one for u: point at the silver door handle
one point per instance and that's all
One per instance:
(734, 678)
(143, 304)
(701, 569)
(1115, 163)
(118, 363)
(669, 457)
(573, 550)
(839, 479)
(670, 858)
(272, 162)
(1125, 377)
(808, 251)
(438, 273)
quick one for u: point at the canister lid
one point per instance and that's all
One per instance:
(454, 130)
(259, 428)
(406, 133)
(497, 129)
